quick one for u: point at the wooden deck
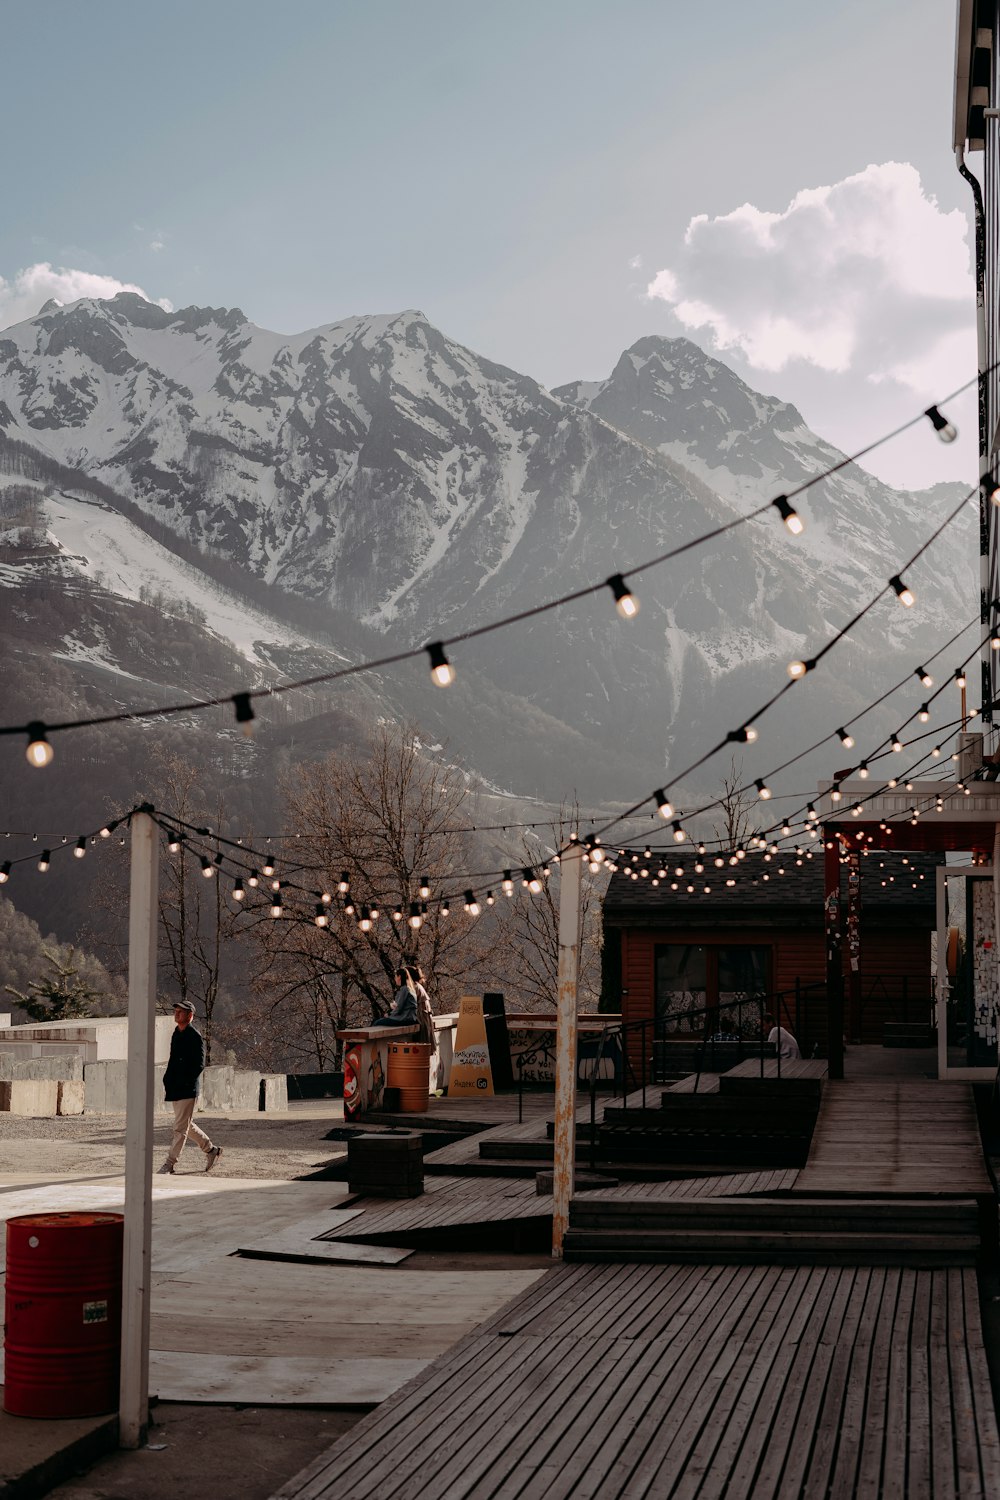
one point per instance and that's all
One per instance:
(892, 1136)
(456, 1203)
(464, 1156)
(687, 1381)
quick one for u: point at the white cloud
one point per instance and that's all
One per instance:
(635, 264)
(157, 243)
(866, 276)
(22, 297)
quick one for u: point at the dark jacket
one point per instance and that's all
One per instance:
(404, 1010)
(182, 1079)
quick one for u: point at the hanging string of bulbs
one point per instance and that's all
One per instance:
(797, 670)
(39, 751)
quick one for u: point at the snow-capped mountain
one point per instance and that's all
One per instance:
(410, 489)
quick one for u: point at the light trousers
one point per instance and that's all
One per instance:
(183, 1127)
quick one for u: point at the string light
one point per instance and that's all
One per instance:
(244, 712)
(626, 603)
(789, 514)
(5, 872)
(945, 430)
(902, 592)
(863, 770)
(923, 713)
(276, 905)
(508, 883)
(847, 740)
(206, 867)
(924, 676)
(797, 669)
(269, 864)
(471, 904)
(897, 743)
(425, 887)
(365, 921)
(416, 919)
(663, 804)
(763, 791)
(239, 894)
(442, 671)
(81, 847)
(679, 834)
(39, 752)
(960, 678)
(45, 860)
(253, 880)
(322, 916)
(991, 488)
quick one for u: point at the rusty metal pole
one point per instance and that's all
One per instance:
(564, 1162)
(834, 959)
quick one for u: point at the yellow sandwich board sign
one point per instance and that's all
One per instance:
(471, 1073)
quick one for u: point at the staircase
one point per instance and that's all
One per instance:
(786, 1230)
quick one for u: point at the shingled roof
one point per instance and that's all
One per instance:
(763, 896)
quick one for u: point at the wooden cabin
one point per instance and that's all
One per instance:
(706, 962)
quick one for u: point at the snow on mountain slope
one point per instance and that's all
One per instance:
(377, 466)
(109, 549)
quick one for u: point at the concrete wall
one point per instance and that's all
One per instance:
(70, 1096)
(24, 1096)
(105, 1088)
(230, 1089)
(65, 1066)
(274, 1093)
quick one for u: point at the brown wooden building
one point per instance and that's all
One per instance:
(731, 950)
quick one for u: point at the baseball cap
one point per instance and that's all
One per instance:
(184, 1005)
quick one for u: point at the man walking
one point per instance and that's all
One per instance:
(182, 1084)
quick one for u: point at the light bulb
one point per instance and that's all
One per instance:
(45, 860)
(863, 770)
(471, 904)
(789, 514)
(5, 872)
(923, 713)
(902, 592)
(663, 804)
(508, 883)
(960, 678)
(796, 669)
(253, 880)
(81, 847)
(442, 671)
(626, 603)
(764, 792)
(991, 488)
(425, 888)
(925, 677)
(679, 834)
(39, 751)
(206, 868)
(945, 430)
(239, 894)
(415, 918)
(276, 906)
(847, 740)
(321, 917)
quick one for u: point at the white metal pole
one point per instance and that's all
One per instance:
(564, 1162)
(133, 1412)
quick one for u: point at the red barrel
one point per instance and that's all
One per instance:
(63, 1314)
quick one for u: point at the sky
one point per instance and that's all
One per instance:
(548, 180)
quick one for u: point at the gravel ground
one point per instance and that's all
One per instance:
(262, 1146)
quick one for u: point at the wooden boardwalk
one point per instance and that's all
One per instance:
(464, 1156)
(905, 1136)
(461, 1203)
(687, 1381)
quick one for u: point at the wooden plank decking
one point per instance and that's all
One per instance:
(465, 1203)
(689, 1381)
(901, 1136)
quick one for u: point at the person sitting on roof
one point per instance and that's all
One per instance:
(784, 1041)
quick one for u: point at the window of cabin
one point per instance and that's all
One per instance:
(725, 983)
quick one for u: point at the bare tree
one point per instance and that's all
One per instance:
(532, 957)
(384, 818)
(738, 810)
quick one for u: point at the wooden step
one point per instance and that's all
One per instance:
(775, 1249)
(785, 1213)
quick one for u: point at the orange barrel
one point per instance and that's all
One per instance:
(63, 1314)
(410, 1072)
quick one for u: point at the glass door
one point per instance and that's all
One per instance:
(968, 980)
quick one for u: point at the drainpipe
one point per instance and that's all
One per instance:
(986, 665)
